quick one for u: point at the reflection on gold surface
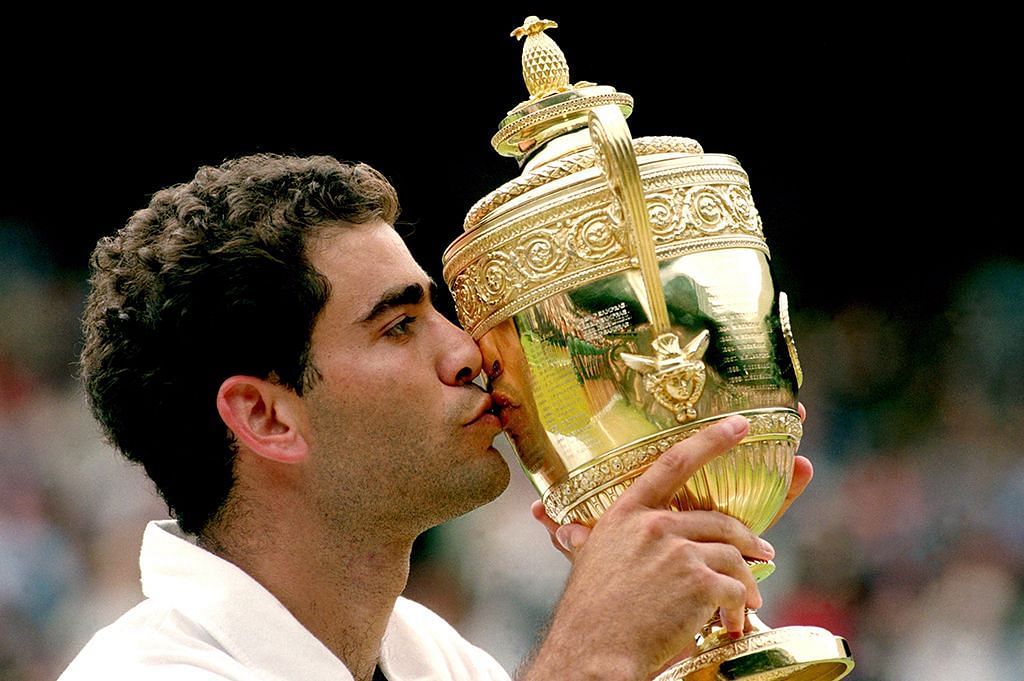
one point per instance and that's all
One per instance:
(569, 398)
(620, 293)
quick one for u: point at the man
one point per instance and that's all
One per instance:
(261, 340)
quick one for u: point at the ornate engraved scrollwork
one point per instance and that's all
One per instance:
(541, 254)
(524, 260)
(595, 236)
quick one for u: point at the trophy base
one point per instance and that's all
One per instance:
(789, 653)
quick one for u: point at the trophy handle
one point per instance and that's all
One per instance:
(675, 376)
(613, 145)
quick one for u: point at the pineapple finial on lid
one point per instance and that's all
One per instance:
(556, 106)
(544, 67)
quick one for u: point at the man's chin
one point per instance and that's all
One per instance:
(480, 484)
(502, 476)
(494, 479)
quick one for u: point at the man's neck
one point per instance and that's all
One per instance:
(341, 585)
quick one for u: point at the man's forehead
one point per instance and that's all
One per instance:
(364, 263)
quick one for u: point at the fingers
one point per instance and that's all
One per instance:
(802, 410)
(734, 616)
(728, 583)
(727, 561)
(565, 538)
(803, 472)
(657, 485)
(571, 537)
(711, 548)
(714, 527)
(540, 514)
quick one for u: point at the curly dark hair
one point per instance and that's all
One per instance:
(212, 280)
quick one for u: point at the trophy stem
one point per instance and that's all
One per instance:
(713, 634)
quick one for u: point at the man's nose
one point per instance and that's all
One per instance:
(460, 359)
(490, 352)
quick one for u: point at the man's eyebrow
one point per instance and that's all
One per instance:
(410, 294)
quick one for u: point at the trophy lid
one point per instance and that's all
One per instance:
(548, 133)
(560, 222)
(555, 107)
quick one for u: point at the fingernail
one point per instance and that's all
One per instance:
(735, 635)
(766, 547)
(564, 536)
(736, 424)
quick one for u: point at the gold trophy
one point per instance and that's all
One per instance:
(620, 293)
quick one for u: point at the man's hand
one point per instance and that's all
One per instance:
(803, 471)
(646, 579)
(565, 537)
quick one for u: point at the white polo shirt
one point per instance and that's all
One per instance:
(204, 619)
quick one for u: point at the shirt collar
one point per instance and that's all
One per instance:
(246, 619)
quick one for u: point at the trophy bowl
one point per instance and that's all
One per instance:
(620, 292)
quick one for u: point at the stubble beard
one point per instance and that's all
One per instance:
(386, 487)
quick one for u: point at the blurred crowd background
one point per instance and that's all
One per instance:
(906, 284)
(909, 542)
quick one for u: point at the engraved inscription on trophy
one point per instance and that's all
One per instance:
(597, 326)
(558, 394)
(748, 355)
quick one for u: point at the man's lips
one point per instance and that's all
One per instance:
(485, 411)
(503, 407)
(502, 401)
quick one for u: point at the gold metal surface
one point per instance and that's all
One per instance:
(764, 654)
(532, 124)
(588, 490)
(545, 70)
(620, 293)
(568, 232)
(674, 376)
(613, 149)
(566, 165)
(787, 332)
(555, 108)
(761, 569)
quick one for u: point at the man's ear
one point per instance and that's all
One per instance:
(265, 417)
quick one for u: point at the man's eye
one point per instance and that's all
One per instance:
(401, 328)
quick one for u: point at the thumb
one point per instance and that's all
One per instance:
(572, 536)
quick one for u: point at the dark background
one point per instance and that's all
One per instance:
(871, 142)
